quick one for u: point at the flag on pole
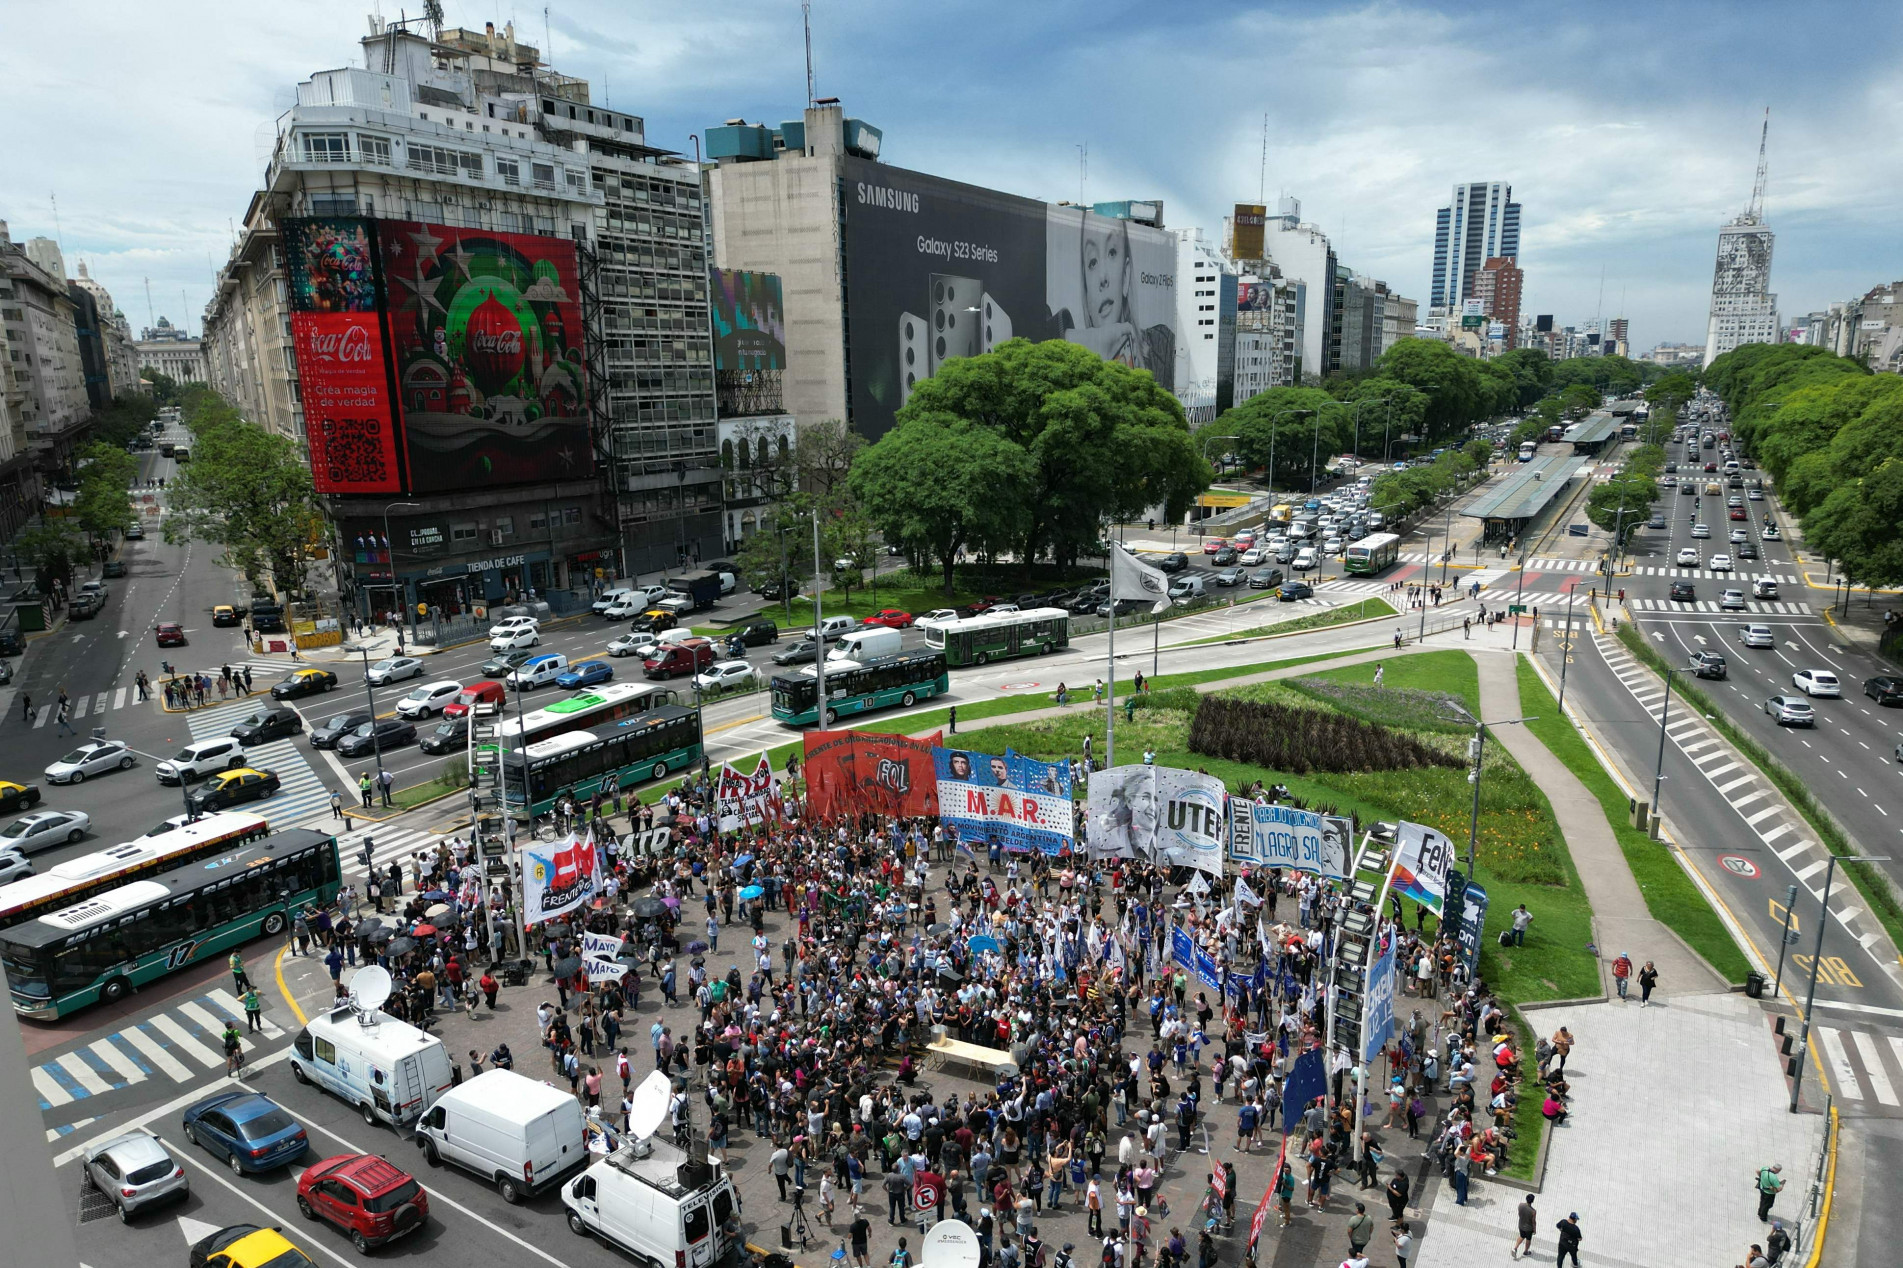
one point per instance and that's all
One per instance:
(1246, 895)
(1131, 578)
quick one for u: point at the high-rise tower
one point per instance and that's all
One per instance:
(1743, 309)
(1481, 223)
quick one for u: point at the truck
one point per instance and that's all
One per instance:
(703, 588)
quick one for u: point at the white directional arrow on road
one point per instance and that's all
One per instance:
(1698, 638)
(1660, 637)
(195, 1230)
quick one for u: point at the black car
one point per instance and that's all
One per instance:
(1086, 601)
(1125, 606)
(1747, 551)
(113, 568)
(335, 729)
(1175, 561)
(1707, 665)
(1884, 690)
(503, 663)
(1225, 557)
(267, 724)
(1265, 578)
(304, 682)
(267, 618)
(1293, 590)
(450, 733)
(1683, 591)
(759, 634)
(374, 737)
(799, 653)
(768, 590)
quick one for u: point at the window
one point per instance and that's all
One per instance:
(544, 174)
(375, 149)
(439, 161)
(326, 147)
(462, 534)
(505, 525)
(333, 205)
(509, 170)
(571, 515)
(538, 520)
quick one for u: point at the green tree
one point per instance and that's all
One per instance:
(1532, 372)
(1857, 526)
(823, 455)
(248, 491)
(103, 505)
(1578, 400)
(1386, 408)
(164, 386)
(1620, 504)
(1456, 396)
(1281, 423)
(52, 548)
(937, 484)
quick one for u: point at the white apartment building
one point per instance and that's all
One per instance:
(171, 351)
(1303, 253)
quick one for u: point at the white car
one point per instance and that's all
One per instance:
(631, 645)
(44, 828)
(1688, 557)
(1332, 546)
(510, 624)
(516, 639)
(1731, 601)
(1305, 559)
(394, 669)
(726, 675)
(428, 699)
(1757, 636)
(609, 598)
(1251, 557)
(1720, 562)
(1817, 682)
(625, 607)
(1739, 535)
(95, 758)
(13, 866)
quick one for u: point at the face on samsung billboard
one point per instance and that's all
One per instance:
(936, 270)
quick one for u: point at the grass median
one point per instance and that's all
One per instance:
(1364, 610)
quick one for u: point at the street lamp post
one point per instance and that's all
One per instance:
(1817, 955)
(370, 697)
(1665, 710)
(1479, 756)
(1566, 651)
(396, 587)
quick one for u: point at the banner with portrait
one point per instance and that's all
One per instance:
(1283, 836)
(1014, 801)
(1421, 859)
(1157, 813)
(857, 772)
(557, 877)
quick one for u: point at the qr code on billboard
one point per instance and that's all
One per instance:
(354, 450)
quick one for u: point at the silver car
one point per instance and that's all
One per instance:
(1790, 711)
(135, 1172)
(44, 828)
(95, 758)
(13, 867)
(394, 669)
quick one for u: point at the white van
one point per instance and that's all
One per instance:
(652, 1199)
(864, 644)
(831, 627)
(1305, 559)
(538, 671)
(391, 1071)
(519, 1133)
(199, 759)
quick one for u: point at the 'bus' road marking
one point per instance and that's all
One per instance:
(155, 1053)
(182, 1038)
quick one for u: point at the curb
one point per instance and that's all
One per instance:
(1830, 1190)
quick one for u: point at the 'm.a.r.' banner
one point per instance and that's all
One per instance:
(1014, 800)
(859, 772)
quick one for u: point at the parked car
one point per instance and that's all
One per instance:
(366, 1196)
(95, 758)
(380, 736)
(431, 697)
(135, 532)
(234, 788)
(224, 616)
(450, 733)
(394, 669)
(337, 727)
(43, 828)
(113, 568)
(1707, 665)
(304, 682)
(1790, 711)
(1816, 682)
(273, 723)
(247, 1130)
(169, 634)
(586, 674)
(246, 1246)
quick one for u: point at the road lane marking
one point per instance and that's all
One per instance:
(182, 1039)
(1873, 1066)
(1844, 1075)
(110, 1053)
(49, 1089)
(1806, 873)
(84, 1074)
(155, 1053)
(119, 698)
(1761, 815)
(225, 1000)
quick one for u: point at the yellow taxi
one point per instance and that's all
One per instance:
(17, 796)
(304, 682)
(234, 786)
(247, 1246)
(224, 615)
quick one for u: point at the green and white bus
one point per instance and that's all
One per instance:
(1374, 553)
(854, 687)
(620, 755)
(131, 936)
(999, 635)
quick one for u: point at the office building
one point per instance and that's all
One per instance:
(1497, 287)
(46, 407)
(170, 350)
(1481, 222)
(1743, 309)
(122, 363)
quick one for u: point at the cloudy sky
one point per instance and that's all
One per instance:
(1629, 131)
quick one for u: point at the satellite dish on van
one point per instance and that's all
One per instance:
(949, 1244)
(649, 1105)
(369, 988)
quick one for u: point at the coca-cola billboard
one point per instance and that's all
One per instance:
(350, 427)
(486, 335)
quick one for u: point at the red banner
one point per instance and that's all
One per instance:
(348, 421)
(851, 772)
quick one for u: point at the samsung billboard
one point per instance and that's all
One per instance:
(936, 269)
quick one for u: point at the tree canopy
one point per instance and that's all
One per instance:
(1282, 423)
(247, 490)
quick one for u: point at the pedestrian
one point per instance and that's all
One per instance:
(1529, 1225)
(953, 719)
(386, 780)
(363, 788)
(64, 717)
(1397, 1195)
(26, 707)
(1648, 978)
(1777, 1245)
(1521, 919)
(1380, 670)
(253, 1011)
(1403, 1243)
(1360, 1230)
(240, 980)
(1569, 1239)
(247, 680)
(1622, 974)
(1770, 1184)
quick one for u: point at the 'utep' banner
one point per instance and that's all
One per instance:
(1421, 859)
(854, 772)
(1282, 836)
(1159, 814)
(557, 878)
(1017, 801)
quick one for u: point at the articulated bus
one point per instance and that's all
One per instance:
(1372, 554)
(173, 843)
(852, 687)
(999, 635)
(131, 936)
(596, 707)
(619, 755)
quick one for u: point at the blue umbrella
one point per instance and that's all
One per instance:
(743, 860)
(982, 943)
(752, 891)
(436, 895)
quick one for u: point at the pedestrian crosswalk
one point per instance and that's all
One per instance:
(93, 704)
(179, 1044)
(302, 793)
(1686, 574)
(1709, 605)
(1863, 1067)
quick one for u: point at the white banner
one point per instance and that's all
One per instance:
(600, 946)
(1168, 816)
(1191, 831)
(1131, 578)
(1282, 836)
(557, 878)
(1421, 859)
(1121, 809)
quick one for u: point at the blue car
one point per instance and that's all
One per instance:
(251, 1131)
(586, 674)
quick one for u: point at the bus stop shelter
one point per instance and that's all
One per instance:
(1595, 433)
(1509, 503)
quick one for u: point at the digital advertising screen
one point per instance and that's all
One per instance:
(749, 315)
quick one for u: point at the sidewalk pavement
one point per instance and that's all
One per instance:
(1621, 921)
(1675, 1107)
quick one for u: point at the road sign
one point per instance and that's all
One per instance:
(1739, 866)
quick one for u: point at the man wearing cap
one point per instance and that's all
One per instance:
(1770, 1184)
(1622, 974)
(1569, 1239)
(1777, 1244)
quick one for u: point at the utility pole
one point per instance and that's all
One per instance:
(1665, 709)
(819, 641)
(806, 22)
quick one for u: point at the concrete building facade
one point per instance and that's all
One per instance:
(48, 407)
(1497, 286)
(171, 351)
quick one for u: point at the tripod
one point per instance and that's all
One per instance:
(801, 1230)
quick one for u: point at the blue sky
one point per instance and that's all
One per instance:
(1628, 131)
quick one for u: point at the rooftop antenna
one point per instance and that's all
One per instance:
(150, 320)
(548, 40)
(433, 14)
(806, 21)
(1262, 177)
(1754, 214)
(60, 237)
(1083, 172)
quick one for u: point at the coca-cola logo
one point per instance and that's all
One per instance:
(351, 344)
(507, 343)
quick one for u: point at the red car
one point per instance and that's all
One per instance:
(1711, 466)
(892, 619)
(171, 634)
(366, 1196)
(985, 604)
(1737, 512)
(1214, 544)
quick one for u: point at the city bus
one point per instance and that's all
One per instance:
(1000, 635)
(1372, 554)
(131, 936)
(852, 687)
(619, 755)
(172, 843)
(1529, 449)
(600, 706)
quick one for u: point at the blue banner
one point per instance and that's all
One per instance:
(1377, 1009)
(1014, 801)
(1185, 952)
(1307, 1080)
(1473, 924)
